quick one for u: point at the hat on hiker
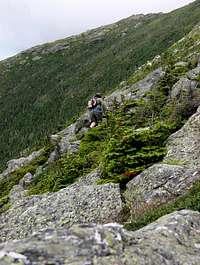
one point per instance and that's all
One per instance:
(97, 95)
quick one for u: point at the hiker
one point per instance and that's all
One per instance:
(97, 110)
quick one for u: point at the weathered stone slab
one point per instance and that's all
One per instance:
(173, 239)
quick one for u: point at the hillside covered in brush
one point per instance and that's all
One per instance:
(152, 106)
(43, 87)
(125, 192)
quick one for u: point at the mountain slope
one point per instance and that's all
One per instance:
(151, 175)
(132, 137)
(43, 87)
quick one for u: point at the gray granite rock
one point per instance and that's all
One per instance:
(171, 240)
(137, 90)
(17, 193)
(183, 86)
(181, 64)
(67, 136)
(16, 164)
(65, 142)
(26, 180)
(158, 184)
(184, 145)
(195, 73)
(54, 139)
(83, 123)
(56, 48)
(74, 204)
(36, 58)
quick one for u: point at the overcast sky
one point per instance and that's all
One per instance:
(25, 23)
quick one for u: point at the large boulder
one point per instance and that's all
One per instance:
(177, 173)
(159, 184)
(173, 239)
(74, 204)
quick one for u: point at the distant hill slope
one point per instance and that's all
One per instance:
(44, 86)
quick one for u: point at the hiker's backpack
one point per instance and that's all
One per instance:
(92, 103)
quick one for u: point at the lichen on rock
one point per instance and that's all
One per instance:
(173, 239)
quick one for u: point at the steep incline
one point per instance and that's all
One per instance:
(146, 156)
(43, 87)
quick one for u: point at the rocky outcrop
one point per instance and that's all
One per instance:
(26, 180)
(56, 48)
(74, 204)
(16, 164)
(173, 239)
(195, 73)
(83, 123)
(65, 142)
(184, 145)
(19, 191)
(184, 87)
(159, 184)
(175, 175)
(137, 90)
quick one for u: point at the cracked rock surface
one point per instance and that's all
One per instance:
(78, 203)
(172, 239)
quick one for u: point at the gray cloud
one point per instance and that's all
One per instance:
(25, 23)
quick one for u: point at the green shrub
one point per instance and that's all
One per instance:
(7, 183)
(131, 151)
(4, 204)
(119, 145)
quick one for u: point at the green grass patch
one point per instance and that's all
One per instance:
(4, 204)
(174, 162)
(72, 166)
(7, 183)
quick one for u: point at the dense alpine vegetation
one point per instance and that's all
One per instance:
(134, 133)
(39, 87)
